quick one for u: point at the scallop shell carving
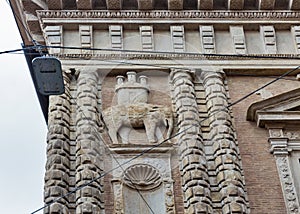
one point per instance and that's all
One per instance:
(142, 177)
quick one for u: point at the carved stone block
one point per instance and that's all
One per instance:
(207, 39)
(238, 38)
(146, 33)
(269, 39)
(296, 35)
(54, 37)
(86, 37)
(116, 36)
(178, 40)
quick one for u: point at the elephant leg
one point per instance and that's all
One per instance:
(150, 128)
(113, 135)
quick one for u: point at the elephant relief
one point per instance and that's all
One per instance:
(133, 112)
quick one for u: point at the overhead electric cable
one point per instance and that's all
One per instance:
(172, 52)
(250, 56)
(103, 141)
(171, 137)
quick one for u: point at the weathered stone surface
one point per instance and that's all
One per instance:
(186, 109)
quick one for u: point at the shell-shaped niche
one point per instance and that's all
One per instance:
(142, 177)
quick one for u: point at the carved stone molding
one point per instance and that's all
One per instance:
(180, 56)
(280, 15)
(288, 187)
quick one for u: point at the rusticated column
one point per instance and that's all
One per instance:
(58, 150)
(88, 149)
(193, 165)
(225, 149)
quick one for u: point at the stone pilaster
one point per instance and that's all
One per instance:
(88, 149)
(230, 179)
(193, 165)
(58, 150)
(281, 151)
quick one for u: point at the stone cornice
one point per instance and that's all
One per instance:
(164, 14)
(171, 56)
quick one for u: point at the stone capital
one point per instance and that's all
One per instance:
(182, 73)
(211, 73)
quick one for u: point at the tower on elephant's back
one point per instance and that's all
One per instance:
(153, 118)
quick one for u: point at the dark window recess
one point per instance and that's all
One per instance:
(130, 5)
(189, 4)
(100, 5)
(70, 5)
(220, 5)
(250, 4)
(161, 5)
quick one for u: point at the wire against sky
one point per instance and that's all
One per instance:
(173, 136)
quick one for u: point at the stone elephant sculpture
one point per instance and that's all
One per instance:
(138, 115)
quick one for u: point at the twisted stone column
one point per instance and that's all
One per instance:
(225, 150)
(88, 149)
(58, 151)
(193, 164)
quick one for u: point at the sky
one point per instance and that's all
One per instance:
(22, 127)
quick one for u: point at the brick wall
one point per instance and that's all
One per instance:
(262, 180)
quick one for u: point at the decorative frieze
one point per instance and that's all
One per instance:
(178, 40)
(146, 33)
(207, 37)
(238, 38)
(269, 39)
(296, 35)
(203, 16)
(116, 36)
(54, 37)
(86, 38)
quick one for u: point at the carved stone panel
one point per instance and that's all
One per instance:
(288, 186)
(147, 179)
(269, 39)
(86, 38)
(238, 38)
(178, 40)
(207, 37)
(116, 36)
(54, 37)
(142, 177)
(133, 120)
